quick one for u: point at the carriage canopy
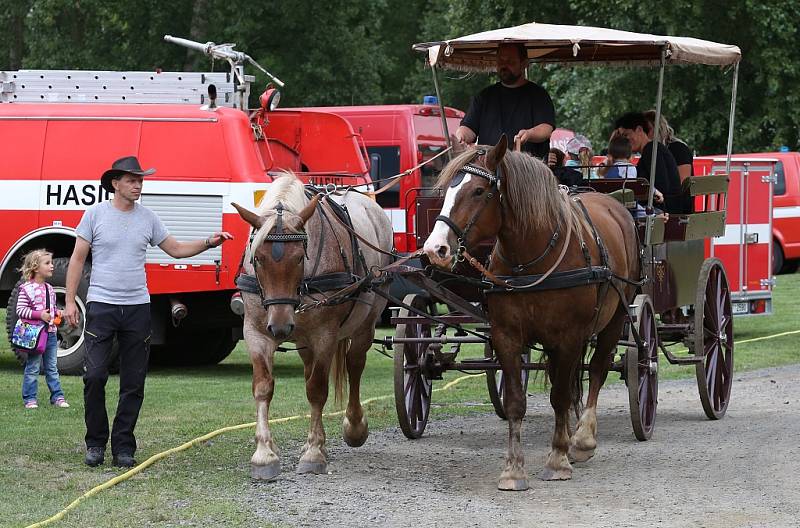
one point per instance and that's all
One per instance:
(550, 43)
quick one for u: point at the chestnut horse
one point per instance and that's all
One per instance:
(295, 240)
(513, 197)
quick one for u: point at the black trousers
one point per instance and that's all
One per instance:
(131, 326)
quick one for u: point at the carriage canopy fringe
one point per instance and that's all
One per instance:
(550, 43)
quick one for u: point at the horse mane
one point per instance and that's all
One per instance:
(530, 190)
(290, 192)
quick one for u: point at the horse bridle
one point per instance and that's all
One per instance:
(278, 239)
(494, 180)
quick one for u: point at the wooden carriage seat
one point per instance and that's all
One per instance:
(709, 194)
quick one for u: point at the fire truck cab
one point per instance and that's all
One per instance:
(62, 129)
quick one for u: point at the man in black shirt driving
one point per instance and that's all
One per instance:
(514, 106)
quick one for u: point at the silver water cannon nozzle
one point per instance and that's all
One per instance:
(221, 51)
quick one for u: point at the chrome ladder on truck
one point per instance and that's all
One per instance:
(113, 87)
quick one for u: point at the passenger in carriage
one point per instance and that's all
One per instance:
(618, 165)
(579, 150)
(565, 175)
(684, 158)
(635, 127)
(619, 158)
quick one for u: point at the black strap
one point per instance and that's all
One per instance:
(452, 225)
(556, 281)
(277, 245)
(280, 300)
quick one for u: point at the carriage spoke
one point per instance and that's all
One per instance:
(711, 372)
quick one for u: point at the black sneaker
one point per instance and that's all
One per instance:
(94, 456)
(124, 460)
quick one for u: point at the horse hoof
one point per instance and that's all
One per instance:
(355, 435)
(556, 474)
(580, 455)
(512, 484)
(268, 472)
(317, 468)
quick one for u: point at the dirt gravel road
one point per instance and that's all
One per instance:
(739, 471)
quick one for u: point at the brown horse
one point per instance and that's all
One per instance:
(296, 240)
(510, 196)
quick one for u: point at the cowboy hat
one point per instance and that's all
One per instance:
(126, 165)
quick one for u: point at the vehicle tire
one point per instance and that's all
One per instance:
(641, 369)
(713, 338)
(412, 388)
(193, 346)
(777, 258)
(70, 339)
(496, 384)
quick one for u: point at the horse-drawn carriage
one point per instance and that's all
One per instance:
(568, 271)
(679, 296)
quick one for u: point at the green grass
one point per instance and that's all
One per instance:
(41, 452)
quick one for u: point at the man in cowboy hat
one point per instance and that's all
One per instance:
(118, 232)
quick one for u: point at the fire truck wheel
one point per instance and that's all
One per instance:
(777, 257)
(194, 346)
(779, 262)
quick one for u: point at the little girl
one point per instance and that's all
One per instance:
(32, 305)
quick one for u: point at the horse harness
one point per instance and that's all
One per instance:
(550, 280)
(347, 284)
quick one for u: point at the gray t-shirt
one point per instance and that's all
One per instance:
(119, 241)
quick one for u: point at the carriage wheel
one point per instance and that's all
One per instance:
(412, 390)
(496, 384)
(641, 370)
(713, 338)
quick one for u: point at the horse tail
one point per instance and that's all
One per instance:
(339, 368)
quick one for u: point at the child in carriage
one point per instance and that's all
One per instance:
(620, 166)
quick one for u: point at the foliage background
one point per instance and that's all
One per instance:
(359, 52)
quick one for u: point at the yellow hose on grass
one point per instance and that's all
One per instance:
(208, 436)
(155, 458)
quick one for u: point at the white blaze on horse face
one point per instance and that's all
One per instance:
(436, 246)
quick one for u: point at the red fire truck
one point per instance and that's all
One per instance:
(785, 209)
(62, 129)
(398, 138)
(746, 247)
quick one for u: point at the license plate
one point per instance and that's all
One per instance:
(740, 308)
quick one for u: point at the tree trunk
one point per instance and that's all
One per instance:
(16, 33)
(198, 31)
